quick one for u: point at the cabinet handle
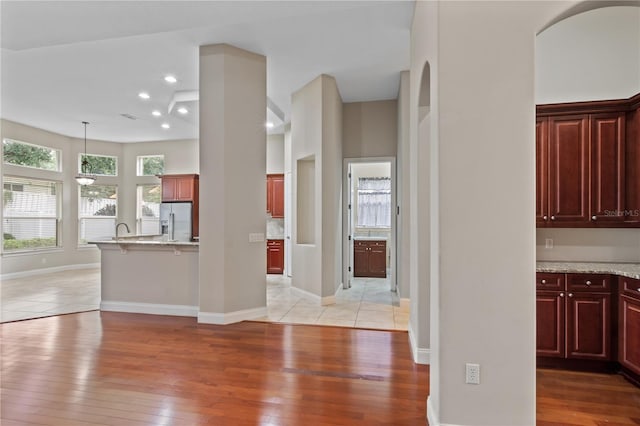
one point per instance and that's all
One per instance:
(545, 217)
(594, 217)
(570, 294)
(638, 289)
(588, 282)
(543, 281)
(561, 294)
(553, 218)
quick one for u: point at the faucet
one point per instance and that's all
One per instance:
(125, 225)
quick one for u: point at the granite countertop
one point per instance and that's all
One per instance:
(629, 270)
(145, 240)
(275, 237)
(369, 238)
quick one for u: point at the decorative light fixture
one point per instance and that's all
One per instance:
(85, 177)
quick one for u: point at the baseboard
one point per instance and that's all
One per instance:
(150, 308)
(43, 271)
(420, 355)
(432, 415)
(307, 295)
(405, 303)
(231, 317)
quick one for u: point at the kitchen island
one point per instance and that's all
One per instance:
(145, 274)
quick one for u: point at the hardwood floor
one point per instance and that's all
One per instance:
(110, 368)
(127, 369)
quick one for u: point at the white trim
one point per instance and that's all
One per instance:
(420, 355)
(231, 317)
(328, 300)
(149, 308)
(43, 271)
(432, 415)
(405, 303)
(306, 295)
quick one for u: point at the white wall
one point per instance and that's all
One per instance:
(483, 289)
(591, 56)
(316, 131)
(595, 245)
(275, 154)
(370, 129)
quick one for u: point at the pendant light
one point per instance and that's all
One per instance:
(85, 177)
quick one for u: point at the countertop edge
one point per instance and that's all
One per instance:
(628, 270)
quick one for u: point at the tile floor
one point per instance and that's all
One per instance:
(49, 294)
(367, 304)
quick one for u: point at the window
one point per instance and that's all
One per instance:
(150, 165)
(101, 165)
(374, 202)
(98, 210)
(148, 216)
(29, 155)
(31, 214)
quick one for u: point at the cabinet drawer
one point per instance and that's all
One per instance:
(630, 287)
(588, 282)
(549, 281)
(274, 243)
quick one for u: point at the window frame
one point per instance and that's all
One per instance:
(57, 218)
(140, 163)
(115, 157)
(58, 152)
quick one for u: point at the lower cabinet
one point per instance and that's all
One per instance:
(370, 258)
(629, 326)
(275, 256)
(574, 321)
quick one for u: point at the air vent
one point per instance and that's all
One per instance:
(129, 116)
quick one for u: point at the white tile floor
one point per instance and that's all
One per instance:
(49, 294)
(367, 304)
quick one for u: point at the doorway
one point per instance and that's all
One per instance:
(369, 224)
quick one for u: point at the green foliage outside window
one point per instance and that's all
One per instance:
(99, 165)
(24, 154)
(152, 165)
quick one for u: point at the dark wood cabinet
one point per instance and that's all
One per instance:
(588, 163)
(275, 195)
(573, 316)
(629, 328)
(183, 188)
(370, 258)
(275, 256)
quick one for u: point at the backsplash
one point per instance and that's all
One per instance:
(591, 245)
(275, 229)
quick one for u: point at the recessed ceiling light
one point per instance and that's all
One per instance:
(183, 110)
(269, 125)
(156, 113)
(165, 126)
(144, 95)
(170, 79)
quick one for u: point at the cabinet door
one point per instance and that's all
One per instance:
(550, 324)
(277, 198)
(607, 168)
(360, 259)
(184, 189)
(377, 259)
(169, 189)
(269, 194)
(629, 334)
(275, 257)
(588, 326)
(569, 170)
(542, 167)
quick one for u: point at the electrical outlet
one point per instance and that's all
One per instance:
(548, 243)
(473, 374)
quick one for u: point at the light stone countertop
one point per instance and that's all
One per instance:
(145, 240)
(629, 270)
(369, 238)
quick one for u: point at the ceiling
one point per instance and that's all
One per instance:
(64, 62)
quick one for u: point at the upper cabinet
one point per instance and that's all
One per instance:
(275, 195)
(586, 165)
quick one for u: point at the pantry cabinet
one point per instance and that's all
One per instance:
(588, 164)
(275, 195)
